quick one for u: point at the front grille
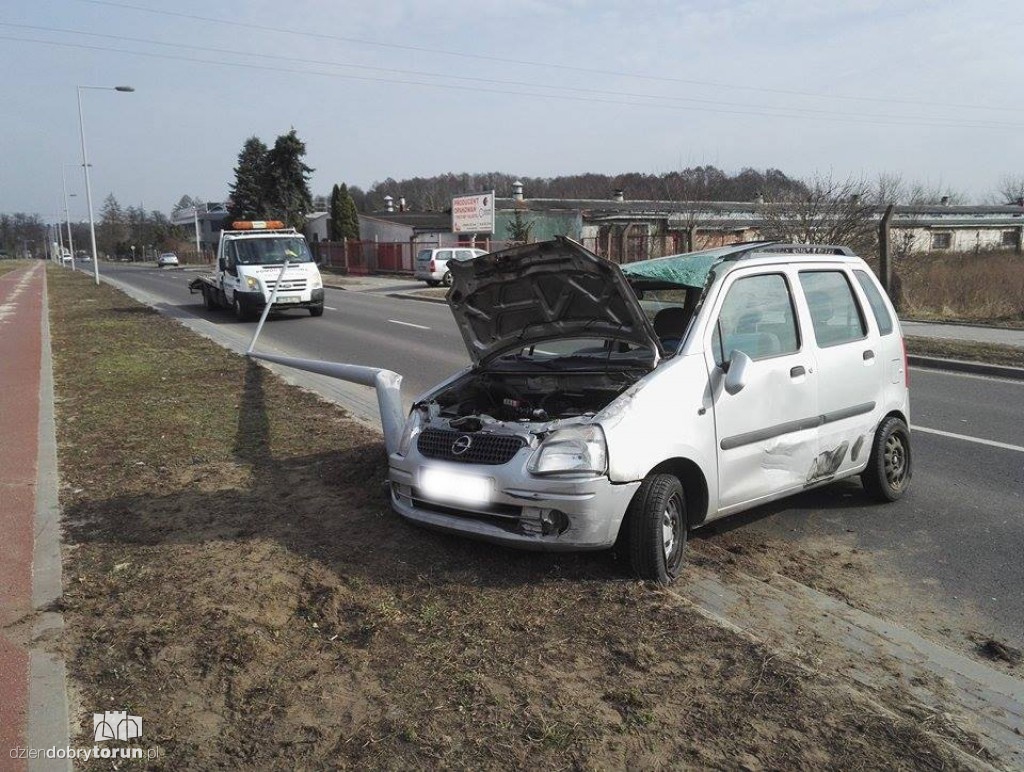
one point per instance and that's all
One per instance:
(483, 448)
(287, 285)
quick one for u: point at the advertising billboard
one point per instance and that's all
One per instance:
(473, 214)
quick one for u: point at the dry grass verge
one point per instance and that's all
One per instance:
(6, 266)
(235, 576)
(983, 286)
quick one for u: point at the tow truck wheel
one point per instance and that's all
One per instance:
(656, 520)
(316, 310)
(241, 314)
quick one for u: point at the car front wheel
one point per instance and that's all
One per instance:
(889, 469)
(656, 520)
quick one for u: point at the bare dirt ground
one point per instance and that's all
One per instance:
(234, 575)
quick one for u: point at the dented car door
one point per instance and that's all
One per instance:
(767, 429)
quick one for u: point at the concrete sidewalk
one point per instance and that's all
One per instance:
(976, 333)
(33, 701)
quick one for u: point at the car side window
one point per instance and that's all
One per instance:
(443, 254)
(835, 313)
(464, 254)
(757, 318)
(875, 300)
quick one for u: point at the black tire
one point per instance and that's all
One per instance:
(432, 282)
(242, 314)
(316, 310)
(890, 466)
(656, 520)
(446, 280)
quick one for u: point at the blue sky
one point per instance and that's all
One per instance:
(931, 91)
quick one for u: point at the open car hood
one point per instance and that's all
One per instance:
(551, 290)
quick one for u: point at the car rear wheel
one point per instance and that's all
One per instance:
(656, 520)
(446, 280)
(890, 467)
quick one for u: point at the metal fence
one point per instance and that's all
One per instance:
(360, 258)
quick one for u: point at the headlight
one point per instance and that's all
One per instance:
(573, 449)
(251, 283)
(413, 425)
(317, 282)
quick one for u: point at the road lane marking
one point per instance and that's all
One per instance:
(330, 308)
(409, 324)
(979, 440)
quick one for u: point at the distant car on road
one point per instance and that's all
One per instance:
(167, 258)
(432, 264)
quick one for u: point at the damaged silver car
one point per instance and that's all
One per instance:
(628, 405)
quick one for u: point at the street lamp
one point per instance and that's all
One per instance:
(67, 215)
(85, 165)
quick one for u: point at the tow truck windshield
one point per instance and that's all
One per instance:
(272, 251)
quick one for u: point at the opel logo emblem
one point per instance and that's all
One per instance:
(461, 445)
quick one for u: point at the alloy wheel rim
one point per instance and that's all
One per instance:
(895, 461)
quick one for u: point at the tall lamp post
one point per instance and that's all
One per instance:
(85, 165)
(67, 215)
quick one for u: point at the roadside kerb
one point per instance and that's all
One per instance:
(960, 366)
(785, 615)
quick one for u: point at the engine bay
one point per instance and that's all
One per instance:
(530, 397)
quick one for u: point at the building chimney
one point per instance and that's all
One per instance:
(401, 204)
(944, 201)
(517, 191)
(618, 195)
(389, 204)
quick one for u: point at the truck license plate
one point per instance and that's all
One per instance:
(293, 299)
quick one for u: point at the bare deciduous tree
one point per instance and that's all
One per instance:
(1011, 189)
(830, 212)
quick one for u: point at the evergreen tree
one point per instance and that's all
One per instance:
(349, 215)
(249, 193)
(287, 177)
(112, 233)
(334, 216)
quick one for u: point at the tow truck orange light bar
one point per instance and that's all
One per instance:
(257, 225)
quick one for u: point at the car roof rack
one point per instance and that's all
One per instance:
(754, 248)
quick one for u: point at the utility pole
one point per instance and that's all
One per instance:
(884, 264)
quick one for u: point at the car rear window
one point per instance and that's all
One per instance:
(835, 314)
(875, 300)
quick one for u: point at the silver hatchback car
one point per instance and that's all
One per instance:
(628, 405)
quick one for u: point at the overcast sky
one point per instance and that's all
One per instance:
(933, 91)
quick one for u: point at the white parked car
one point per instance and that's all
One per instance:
(766, 370)
(432, 264)
(167, 258)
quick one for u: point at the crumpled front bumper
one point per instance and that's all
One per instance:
(586, 510)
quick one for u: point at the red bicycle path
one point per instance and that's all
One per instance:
(21, 310)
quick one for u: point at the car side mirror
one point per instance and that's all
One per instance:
(221, 264)
(736, 373)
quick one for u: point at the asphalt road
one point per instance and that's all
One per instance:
(955, 542)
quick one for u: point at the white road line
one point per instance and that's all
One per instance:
(979, 376)
(409, 324)
(992, 443)
(330, 308)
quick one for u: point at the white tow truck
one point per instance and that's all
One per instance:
(250, 258)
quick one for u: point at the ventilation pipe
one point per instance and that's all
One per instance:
(517, 191)
(618, 195)
(389, 204)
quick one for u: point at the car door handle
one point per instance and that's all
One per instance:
(868, 355)
(797, 371)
